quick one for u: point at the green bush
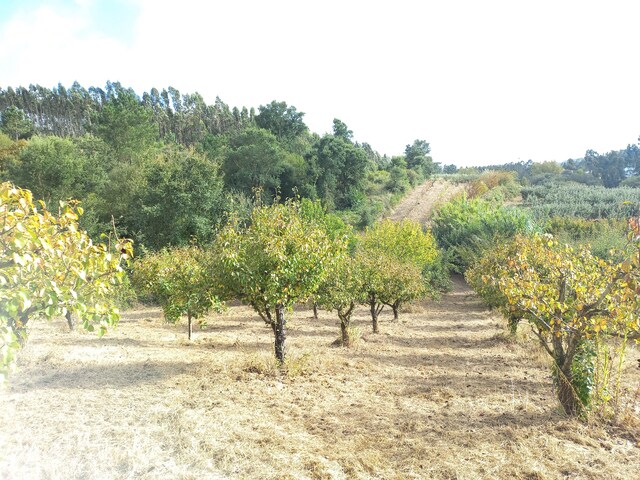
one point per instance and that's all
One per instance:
(466, 228)
(602, 235)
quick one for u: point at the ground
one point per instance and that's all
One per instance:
(443, 393)
(421, 202)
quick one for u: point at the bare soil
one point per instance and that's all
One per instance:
(423, 200)
(443, 393)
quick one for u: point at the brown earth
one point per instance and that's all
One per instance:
(422, 201)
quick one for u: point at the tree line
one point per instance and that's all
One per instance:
(166, 168)
(610, 169)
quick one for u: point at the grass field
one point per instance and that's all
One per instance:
(441, 394)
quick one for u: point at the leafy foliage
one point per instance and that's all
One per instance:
(178, 279)
(183, 200)
(50, 267)
(280, 259)
(569, 297)
(466, 228)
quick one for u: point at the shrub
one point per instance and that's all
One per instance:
(178, 280)
(570, 298)
(465, 228)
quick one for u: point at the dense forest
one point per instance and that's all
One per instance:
(166, 168)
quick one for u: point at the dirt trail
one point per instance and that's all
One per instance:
(420, 204)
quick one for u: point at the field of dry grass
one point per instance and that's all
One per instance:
(441, 394)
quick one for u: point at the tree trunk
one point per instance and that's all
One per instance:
(70, 320)
(567, 395)
(374, 317)
(189, 319)
(280, 333)
(512, 323)
(315, 311)
(344, 329)
(395, 307)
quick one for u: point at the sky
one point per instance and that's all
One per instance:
(484, 82)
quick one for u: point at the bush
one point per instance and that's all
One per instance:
(601, 235)
(466, 228)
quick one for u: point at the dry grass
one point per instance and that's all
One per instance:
(425, 199)
(442, 394)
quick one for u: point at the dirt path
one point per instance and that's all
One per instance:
(420, 204)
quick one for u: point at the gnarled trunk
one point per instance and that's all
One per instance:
(374, 317)
(344, 330)
(564, 352)
(279, 329)
(71, 322)
(566, 391)
(395, 307)
(376, 308)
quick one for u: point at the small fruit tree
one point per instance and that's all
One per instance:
(393, 257)
(178, 279)
(49, 267)
(342, 291)
(278, 260)
(569, 297)
(479, 277)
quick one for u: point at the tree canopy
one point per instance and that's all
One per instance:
(49, 266)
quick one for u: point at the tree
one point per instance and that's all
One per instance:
(548, 167)
(569, 297)
(284, 122)
(340, 130)
(15, 124)
(51, 167)
(278, 260)
(417, 158)
(182, 199)
(253, 161)
(342, 291)
(177, 278)
(479, 277)
(393, 257)
(9, 154)
(398, 178)
(126, 125)
(338, 170)
(49, 267)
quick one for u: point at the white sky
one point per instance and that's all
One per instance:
(482, 81)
